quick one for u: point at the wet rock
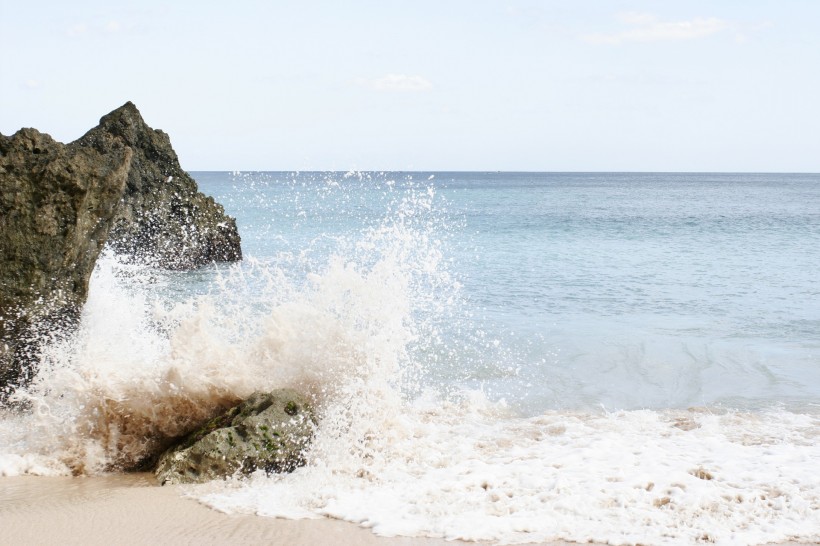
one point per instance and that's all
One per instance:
(268, 431)
(57, 204)
(119, 184)
(163, 219)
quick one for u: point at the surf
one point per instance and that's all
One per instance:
(427, 425)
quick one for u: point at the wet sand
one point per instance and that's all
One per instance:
(132, 509)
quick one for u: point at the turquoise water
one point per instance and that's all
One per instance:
(580, 290)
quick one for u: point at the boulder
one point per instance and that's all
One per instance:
(57, 204)
(268, 431)
(163, 219)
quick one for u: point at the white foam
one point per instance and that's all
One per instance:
(459, 472)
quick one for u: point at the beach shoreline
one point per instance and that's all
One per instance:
(132, 509)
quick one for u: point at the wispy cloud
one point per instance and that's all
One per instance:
(77, 30)
(396, 82)
(108, 27)
(644, 27)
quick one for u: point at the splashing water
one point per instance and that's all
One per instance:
(143, 370)
(370, 321)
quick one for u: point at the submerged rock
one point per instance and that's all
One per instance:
(57, 204)
(163, 220)
(268, 431)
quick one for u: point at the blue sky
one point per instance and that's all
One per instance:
(552, 85)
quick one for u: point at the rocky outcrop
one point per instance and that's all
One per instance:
(268, 431)
(163, 219)
(119, 184)
(57, 204)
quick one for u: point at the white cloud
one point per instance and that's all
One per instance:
(77, 30)
(95, 29)
(31, 84)
(648, 28)
(396, 82)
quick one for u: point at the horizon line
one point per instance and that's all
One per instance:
(484, 171)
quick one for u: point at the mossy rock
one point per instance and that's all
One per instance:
(268, 431)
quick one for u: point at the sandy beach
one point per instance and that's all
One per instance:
(132, 510)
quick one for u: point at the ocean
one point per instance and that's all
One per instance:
(519, 357)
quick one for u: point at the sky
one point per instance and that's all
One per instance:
(512, 85)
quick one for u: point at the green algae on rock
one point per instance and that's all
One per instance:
(268, 431)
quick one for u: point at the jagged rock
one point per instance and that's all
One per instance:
(57, 203)
(120, 184)
(268, 431)
(164, 219)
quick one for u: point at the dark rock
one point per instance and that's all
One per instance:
(57, 204)
(120, 184)
(163, 220)
(268, 431)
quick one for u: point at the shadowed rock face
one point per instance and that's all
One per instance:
(120, 184)
(163, 220)
(57, 204)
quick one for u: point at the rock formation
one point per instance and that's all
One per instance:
(121, 184)
(57, 204)
(163, 220)
(268, 431)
